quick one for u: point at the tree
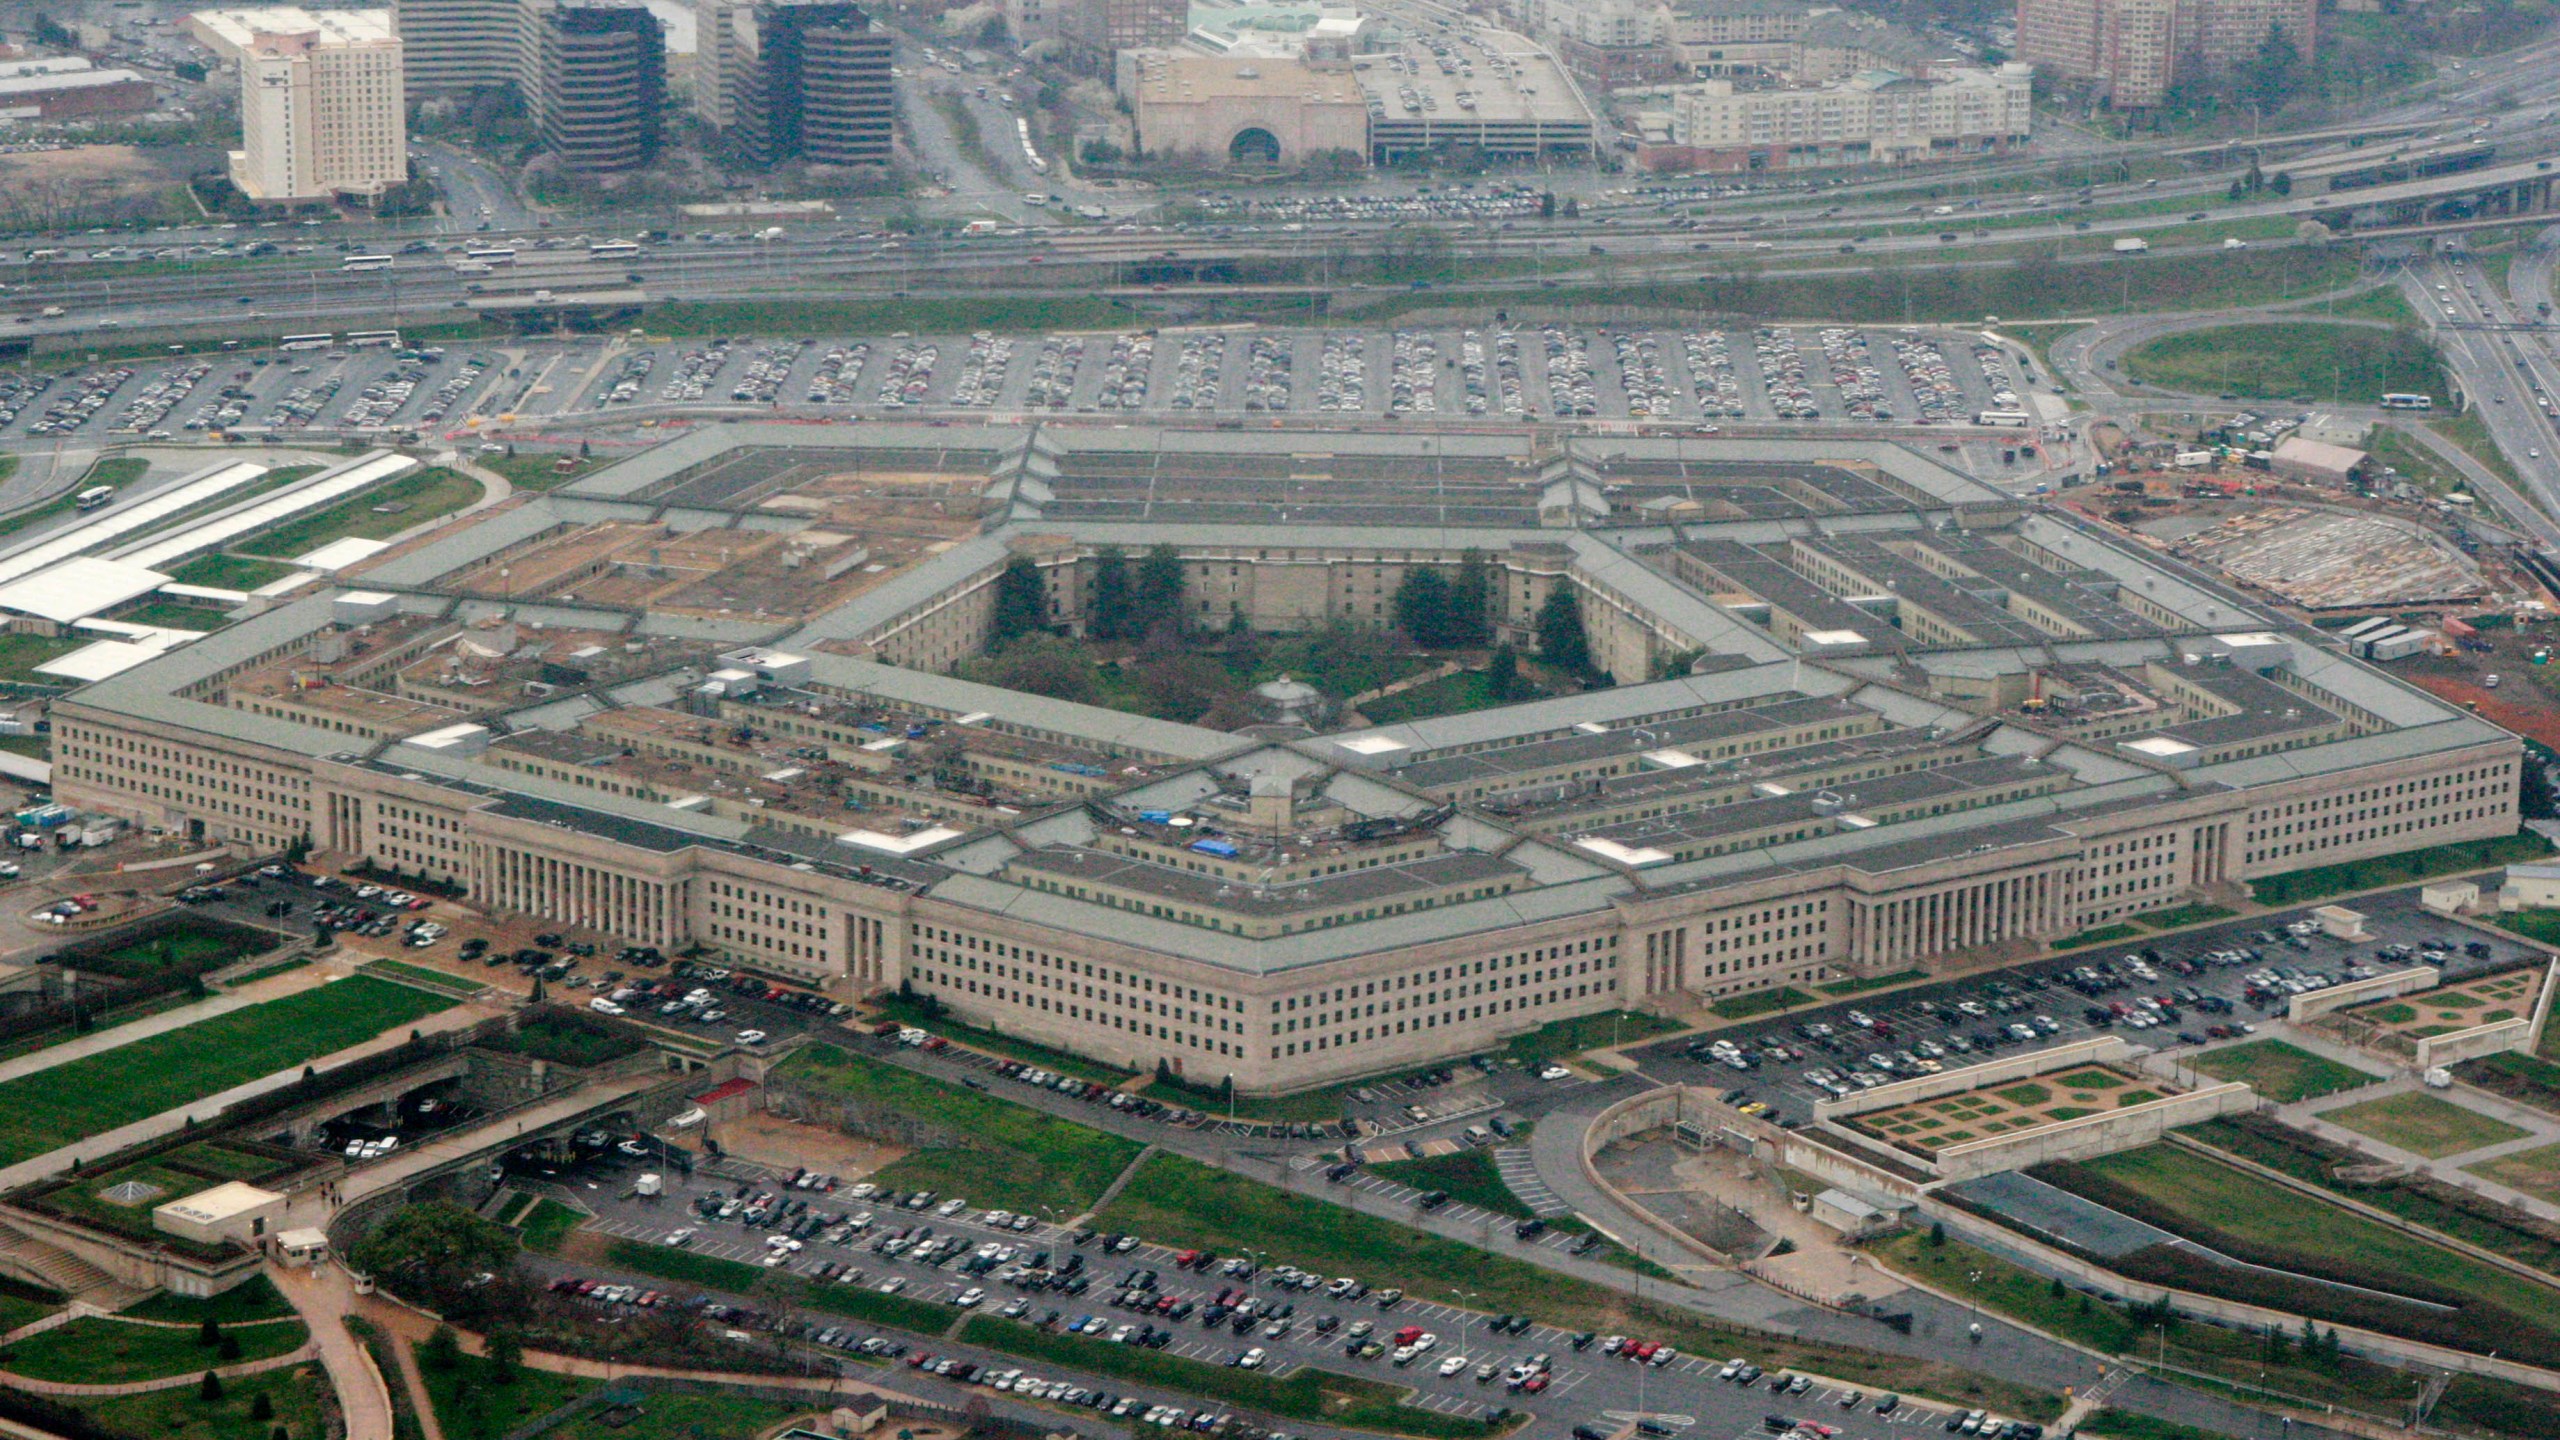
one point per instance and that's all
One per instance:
(208, 1334)
(49, 32)
(442, 1351)
(2533, 790)
(438, 1245)
(2057, 1288)
(2270, 76)
(505, 1355)
(1423, 607)
(2283, 183)
(1471, 600)
(1502, 673)
(1546, 204)
(210, 1389)
(1560, 637)
(230, 1349)
(1572, 208)
(2238, 191)
(1021, 604)
(1043, 664)
(1110, 617)
(262, 1407)
(1937, 1233)
(1159, 597)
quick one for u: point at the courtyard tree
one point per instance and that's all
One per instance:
(1021, 602)
(1159, 591)
(1109, 619)
(1423, 607)
(1561, 642)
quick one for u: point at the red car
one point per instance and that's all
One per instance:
(1408, 1334)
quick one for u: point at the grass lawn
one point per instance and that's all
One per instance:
(21, 654)
(2281, 1072)
(1758, 1002)
(1864, 984)
(1354, 1402)
(666, 1415)
(187, 945)
(421, 496)
(548, 1224)
(98, 1351)
(116, 470)
(34, 747)
(230, 572)
(176, 1414)
(468, 1407)
(2535, 1172)
(2293, 887)
(256, 1300)
(97, 1093)
(406, 973)
(534, 469)
(901, 1008)
(1019, 1158)
(1468, 1176)
(2176, 916)
(2103, 935)
(1561, 1038)
(1449, 695)
(2297, 360)
(925, 317)
(22, 1304)
(2382, 302)
(2199, 1188)
(2471, 432)
(171, 615)
(2422, 1124)
(2416, 463)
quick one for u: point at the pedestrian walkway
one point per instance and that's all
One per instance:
(1519, 1172)
(2540, 1129)
(258, 992)
(324, 1297)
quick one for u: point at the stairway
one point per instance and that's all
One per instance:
(54, 1266)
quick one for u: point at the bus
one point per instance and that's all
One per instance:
(366, 262)
(2006, 419)
(306, 342)
(492, 254)
(93, 497)
(362, 338)
(2400, 400)
(613, 249)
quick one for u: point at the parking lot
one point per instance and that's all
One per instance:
(375, 388)
(1129, 1290)
(2160, 993)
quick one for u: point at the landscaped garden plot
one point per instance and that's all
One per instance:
(2481, 1000)
(100, 1350)
(2423, 1125)
(1929, 1126)
(2280, 1072)
(98, 1093)
(121, 1199)
(2535, 1172)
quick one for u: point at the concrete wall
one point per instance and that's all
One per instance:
(2495, 1038)
(2094, 1134)
(2358, 992)
(2097, 1050)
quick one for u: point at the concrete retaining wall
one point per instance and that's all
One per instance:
(2097, 1050)
(2494, 1038)
(1651, 1110)
(2358, 992)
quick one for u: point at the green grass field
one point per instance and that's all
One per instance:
(177, 1414)
(667, 1415)
(2177, 915)
(1758, 1002)
(1468, 1176)
(100, 1351)
(469, 1407)
(171, 615)
(2300, 360)
(420, 497)
(98, 1093)
(1449, 695)
(548, 1225)
(2103, 935)
(907, 1011)
(2294, 887)
(230, 572)
(256, 1300)
(21, 1304)
(2536, 1172)
(1860, 986)
(1022, 1159)
(21, 654)
(2423, 1125)
(538, 469)
(432, 979)
(2210, 1193)
(2279, 1071)
(1560, 1039)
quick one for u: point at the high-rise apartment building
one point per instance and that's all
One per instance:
(1104, 28)
(797, 79)
(2138, 50)
(322, 103)
(595, 80)
(455, 46)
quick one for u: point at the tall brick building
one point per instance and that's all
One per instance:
(2138, 49)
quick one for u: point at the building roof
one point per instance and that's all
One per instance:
(73, 80)
(1166, 77)
(222, 1202)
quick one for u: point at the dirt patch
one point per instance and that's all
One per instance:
(769, 1139)
(2535, 722)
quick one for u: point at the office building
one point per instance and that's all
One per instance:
(323, 107)
(797, 79)
(1219, 109)
(1101, 29)
(596, 82)
(68, 87)
(1876, 117)
(2050, 731)
(2135, 51)
(457, 46)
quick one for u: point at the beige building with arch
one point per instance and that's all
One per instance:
(1239, 108)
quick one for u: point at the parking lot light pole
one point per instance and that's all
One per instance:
(1465, 1316)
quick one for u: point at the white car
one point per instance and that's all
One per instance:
(602, 1006)
(750, 1037)
(1555, 1072)
(1251, 1359)
(969, 1297)
(893, 1284)
(680, 1237)
(1452, 1366)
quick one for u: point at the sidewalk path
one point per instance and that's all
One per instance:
(273, 987)
(325, 1297)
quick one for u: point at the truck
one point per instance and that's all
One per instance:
(2438, 1078)
(100, 830)
(649, 1185)
(2130, 245)
(979, 227)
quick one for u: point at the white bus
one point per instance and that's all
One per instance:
(2399, 400)
(362, 338)
(93, 497)
(306, 342)
(492, 255)
(366, 262)
(2005, 419)
(613, 249)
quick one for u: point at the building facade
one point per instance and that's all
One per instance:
(453, 47)
(596, 82)
(2136, 51)
(797, 80)
(1224, 108)
(323, 110)
(1873, 118)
